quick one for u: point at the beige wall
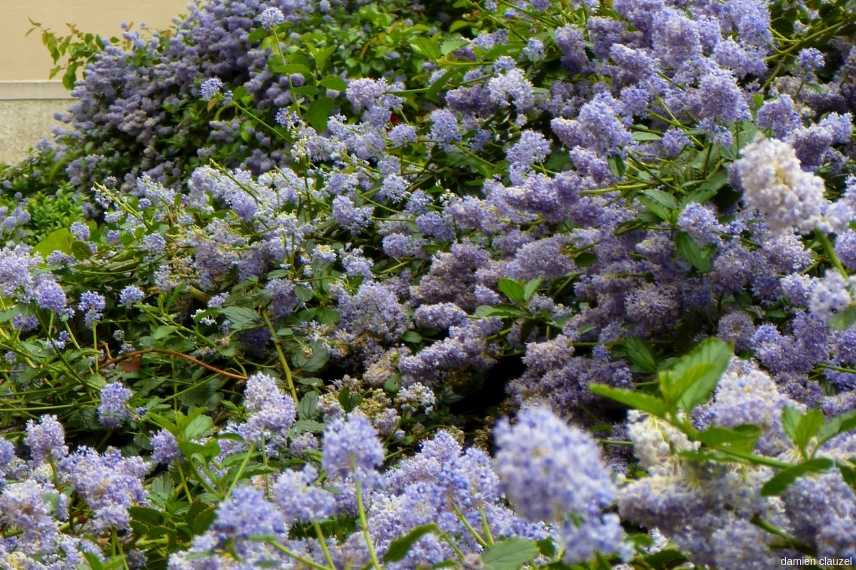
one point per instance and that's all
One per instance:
(24, 58)
(28, 100)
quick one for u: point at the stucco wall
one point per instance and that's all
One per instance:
(28, 100)
(24, 57)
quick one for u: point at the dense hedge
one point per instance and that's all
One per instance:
(347, 284)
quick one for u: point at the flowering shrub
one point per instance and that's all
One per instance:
(344, 284)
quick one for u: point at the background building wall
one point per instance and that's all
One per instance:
(28, 99)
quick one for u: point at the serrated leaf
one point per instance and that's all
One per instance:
(783, 479)
(333, 82)
(311, 426)
(837, 425)
(700, 257)
(509, 554)
(399, 547)
(242, 318)
(664, 199)
(640, 354)
(512, 289)
(319, 111)
(741, 438)
(531, 288)
(632, 399)
(843, 320)
(801, 428)
(308, 406)
(197, 427)
(692, 378)
(427, 47)
(452, 44)
(57, 240)
(322, 56)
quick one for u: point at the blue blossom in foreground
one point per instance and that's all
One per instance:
(775, 184)
(401, 135)
(810, 60)
(351, 447)
(845, 248)
(80, 231)
(271, 413)
(131, 295)
(46, 439)
(444, 127)
(210, 88)
(113, 409)
(49, 295)
(673, 142)
(109, 483)
(534, 50)
(164, 447)
(832, 294)
(701, 223)
(92, 305)
(300, 499)
(554, 472)
(247, 513)
(271, 17)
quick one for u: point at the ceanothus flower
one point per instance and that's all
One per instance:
(92, 305)
(554, 472)
(271, 17)
(113, 408)
(774, 183)
(164, 447)
(45, 439)
(351, 447)
(131, 295)
(210, 88)
(300, 499)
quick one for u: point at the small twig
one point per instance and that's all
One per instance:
(174, 354)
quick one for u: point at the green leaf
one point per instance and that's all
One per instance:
(242, 318)
(399, 547)
(700, 257)
(849, 474)
(451, 45)
(801, 428)
(692, 379)
(197, 427)
(836, 425)
(780, 482)
(509, 554)
(333, 82)
(843, 320)
(308, 406)
(57, 240)
(512, 289)
(411, 337)
(640, 354)
(659, 203)
(502, 311)
(741, 438)
(279, 66)
(319, 111)
(313, 359)
(427, 47)
(707, 189)
(531, 287)
(322, 56)
(312, 426)
(636, 400)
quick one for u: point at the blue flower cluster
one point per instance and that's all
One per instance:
(340, 294)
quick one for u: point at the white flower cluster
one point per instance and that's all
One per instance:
(774, 183)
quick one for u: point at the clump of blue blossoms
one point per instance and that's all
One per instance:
(392, 285)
